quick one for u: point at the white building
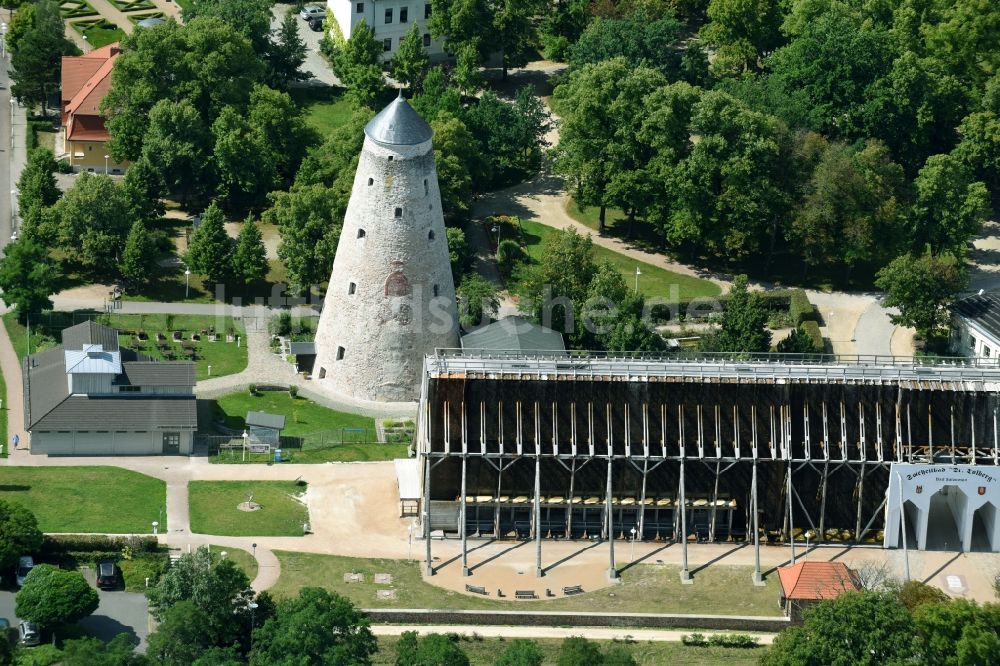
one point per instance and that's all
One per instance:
(391, 297)
(391, 20)
(975, 327)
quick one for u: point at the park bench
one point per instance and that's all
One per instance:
(476, 589)
(525, 594)
(573, 589)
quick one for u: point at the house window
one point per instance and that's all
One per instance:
(361, 233)
(387, 44)
(427, 39)
(322, 373)
(427, 10)
(399, 212)
(351, 288)
(129, 389)
(388, 15)
(986, 351)
(430, 235)
(972, 342)
(397, 284)
(359, 8)
(340, 353)
(404, 14)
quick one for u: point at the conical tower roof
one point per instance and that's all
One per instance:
(398, 125)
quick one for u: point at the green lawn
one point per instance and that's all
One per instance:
(483, 652)
(241, 558)
(326, 109)
(589, 215)
(721, 590)
(87, 499)
(225, 358)
(3, 417)
(302, 416)
(654, 281)
(99, 32)
(336, 453)
(213, 508)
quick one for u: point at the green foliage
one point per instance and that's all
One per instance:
(357, 64)
(27, 277)
(506, 26)
(743, 32)
(183, 634)
(640, 38)
(92, 219)
(410, 63)
(799, 342)
(36, 188)
(52, 597)
(561, 28)
(459, 161)
(958, 632)
(89, 651)
(459, 252)
(19, 533)
(509, 255)
(921, 287)
(20, 25)
(478, 301)
(36, 60)
(744, 323)
(863, 628)
(429, 650)
(287, 54)
(139, 256)
(521, 652)
(913, 594)
(176, 146)
(512, 135)
(315, 627)
(211, 247)
(949, 209)
(309, 219)
(250, 255)
(564, 273)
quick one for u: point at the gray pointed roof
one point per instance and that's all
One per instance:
(398, 125)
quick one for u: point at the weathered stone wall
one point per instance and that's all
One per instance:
(391, 297)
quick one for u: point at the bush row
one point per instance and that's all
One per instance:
(721, 640)
(90, 543)
(811, 328)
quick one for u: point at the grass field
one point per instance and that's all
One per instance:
(99, 32)
(326, 109)
(590, 215)
(483, 651)
(241, 558)
(213, 508)
(722, 590)
(336, 453)
(302, 416)
(87, 499)
(654, 281)
(225, 358)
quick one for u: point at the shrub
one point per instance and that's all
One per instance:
(280, 324)
(694, 639)
(799, 307)
(253, 389)
(734, 640)
(811, 328)
(293, 391)
(509, 253)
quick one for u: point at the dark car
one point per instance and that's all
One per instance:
(107, 574)
(316, 23)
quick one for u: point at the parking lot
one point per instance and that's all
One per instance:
(118, 612)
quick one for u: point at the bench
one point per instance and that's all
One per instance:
(525, 594)
(573, 589)
(476, 589)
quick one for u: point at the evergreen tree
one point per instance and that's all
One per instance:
(250, 256)
(744, 323)
(36, 188)
(37, 62)
(356, 64)
(287, 53)
(211, 247)
(142, 189)
(139, 257)
(409, 65)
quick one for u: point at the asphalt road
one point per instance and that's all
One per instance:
(315, 63)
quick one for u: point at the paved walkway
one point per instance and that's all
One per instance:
(592, 633)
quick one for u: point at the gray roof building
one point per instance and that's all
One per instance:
(398, 125)
(976, 325)
(515, 334)
(265, 420)
(89, 383)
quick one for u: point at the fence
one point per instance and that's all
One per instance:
(230, 447)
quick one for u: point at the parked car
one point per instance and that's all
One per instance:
(107, 574)
(24, 567)
(310, 11)
(316, 23)
(28, 634)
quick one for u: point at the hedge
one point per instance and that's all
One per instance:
(86, 543)
(811, 328)
(793, 301)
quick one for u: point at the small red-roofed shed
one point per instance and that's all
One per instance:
(808, 583)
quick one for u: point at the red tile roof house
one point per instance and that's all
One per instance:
(86, 80)
(808, 583)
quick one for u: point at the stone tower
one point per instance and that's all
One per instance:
(391, 297)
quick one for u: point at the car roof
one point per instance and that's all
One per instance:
(26, 559)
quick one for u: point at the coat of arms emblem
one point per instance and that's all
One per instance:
(920, 489)
(982, 490)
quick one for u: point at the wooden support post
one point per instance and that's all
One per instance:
(642, 497)
(612, 569)
(861, 499)
(715, 498)
(538, 515)
(427, 512)
(822, 501)
(464, 522)
(682, 504)
(569, 501)
(757, 580)
(791, 522)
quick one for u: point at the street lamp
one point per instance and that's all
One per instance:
(156, 528)
(253, 546)
(3, 36)
(631, 557)
(497, 230)
(187, 281)
(106, 165)
(637, 274)
(409, 547)
(245, 435)
(86, 44)
(223, 555)
(253, 607)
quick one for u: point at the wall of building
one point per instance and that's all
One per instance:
(89, 156)
(345, 11)
(92, 383)
(106, 443)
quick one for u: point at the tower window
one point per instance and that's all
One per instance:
(390, 158)
(322, 373)
(352, 288)
(435, 291)
(340, 353)
(371, 181)
(399, 212)
(430, 235)
(426, 188)
(404, 14)
(361, 233)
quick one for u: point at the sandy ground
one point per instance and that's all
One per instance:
(593, 633)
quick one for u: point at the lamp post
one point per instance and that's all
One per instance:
(245, 435)
(637, 274)
(631, 557)
(187, 281)
(253, 550)
(253, 608)
(86, 44)
(156, 527)
(3, 37)
(497, 230)
(223, 555)
(106, 165)
(409, 547)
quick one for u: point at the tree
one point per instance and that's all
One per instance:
(282, 128)
(744, 32)
(287, 54)
(20, 25)
(357, 64)
(89, 651)
(19, 533)
(509, 255)
(921, 286)
(183, 634)
(578, 651)
(242, 184)
(142, 188)
(251, 18)
(37, 61)
(309, 222)
(466, 75)
(913, 594)
(556, 287)
(459, 161)
(92, 219)
(949, 209)
(409, 65)
(429, 650)
(979, 148)
(177, 146)
(459, 253)
(211, 247)
(863, 628)
(744, 323)
(521, 652)
(139, 257)
(54, 597)
(250, 256)
(512, 135)
(478, 301)
(506, 26)
(36, 188)
(797, 342)
(562, 26)
(27, 278)
(643, 40)
(438, 94)
(958, 631)
(313, 629)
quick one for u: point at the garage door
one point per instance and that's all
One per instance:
(52, 443)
